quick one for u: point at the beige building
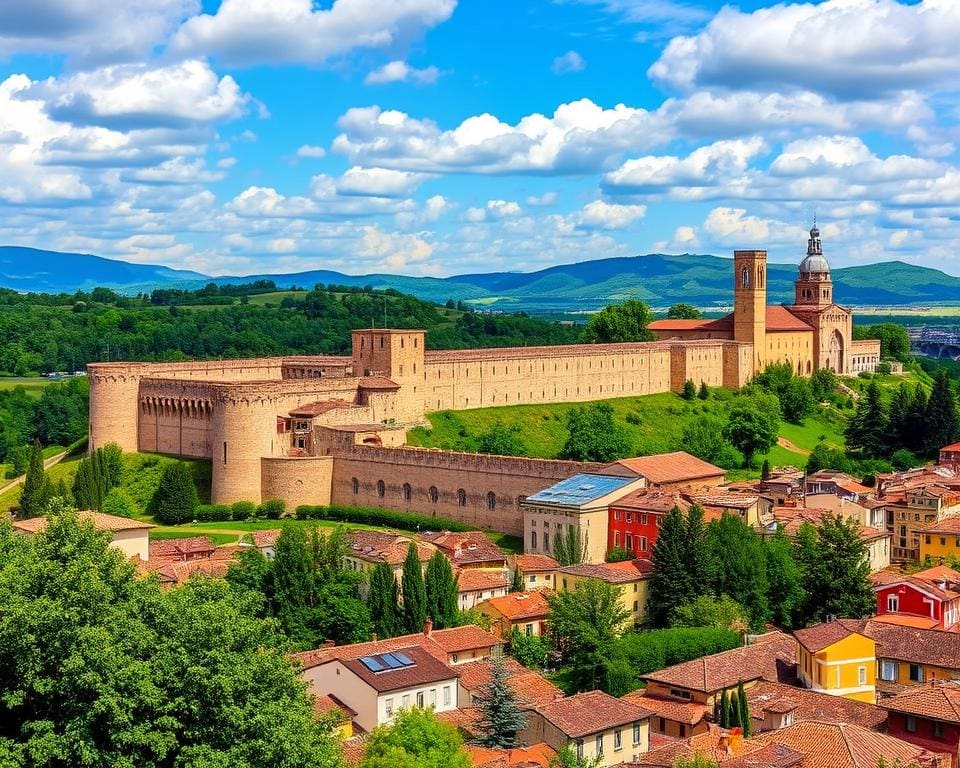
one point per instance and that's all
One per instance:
(594, 724)
(537, 571)
(474, 585)
(132, 537)
(631, 577)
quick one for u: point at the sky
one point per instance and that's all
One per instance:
(439, 137)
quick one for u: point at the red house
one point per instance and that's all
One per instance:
(950, 456)
(932, 595)
(634, 520)
(928, 716)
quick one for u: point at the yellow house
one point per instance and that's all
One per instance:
(631, 576)
(836, 658)
(940, 540)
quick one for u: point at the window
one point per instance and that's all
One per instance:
(616, 514)
(617, 740)
(599, 741)
(861, 675)
(533, 540)
(420, 699)
(446, 695)
(616, 538)
(491, 500)
(433, 697)
(381, 489)
(636, 733)
(744, 278)
(916, 673)
(680, 693)
(546, 541)
(528, 630)
(580, 749)
(356, 486)
(388, 707)
(938, 731)
(630, 541)
(643, 543)
(532, 578)
(405, 701)
(407, 492)
(461, 498)
(434, 494)
(629, 517)
(911, 724)
(644, 519)
(454, 658)
(893, 603)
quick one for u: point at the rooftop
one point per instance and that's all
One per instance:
(723, 747)
(389, 548)
(535, 756)
(519, 605)
(406, 668)
(181, 548)
(624, 572)
(689, 712)
(671, 468)
(580, 489)
(465, 548)
(912, 644)
(267, 538)
(309, 410)
(531, 688)
(938, 701)
(805, 704)
(778, 319)
(533, 563)
(475, 580)
(651, 500)
(586, 713)
(101, 521)
(823, 635)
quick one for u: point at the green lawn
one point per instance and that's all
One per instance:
(275, 297)
(34, 385)
(890, 383)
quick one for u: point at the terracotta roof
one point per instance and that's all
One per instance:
(319, 408)
(922, 646)
(778, 318)
(465, 548)
(327, 702)
(771, 657)
(378, 382)
(534, 563)
(101, 521)
(726, 748)
(676, 467)
(352, 749)
(651, 500)
(906, 620)
(823, 635)
(390, 548)
(531, 688)
(172, 572)
(624, 572)
(689, 712)
(181, 548)
(475, 580)
(465, 638)
(535, 756)
(843, 745)
(465, 719)
(590, 712)
(426, 669)
(938, 572)
(951, 447)
(519, 605)
(262, 539)
(949, 525)
(939, 701)
(767, 696)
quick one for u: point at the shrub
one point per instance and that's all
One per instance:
(118, 502)
(213, 513)
(883, 368)
(618, 554)
(649, 651)
(406, 521)
(176, 497)
(243, 510)
(903, 460)
(689, 390)
(272, 509)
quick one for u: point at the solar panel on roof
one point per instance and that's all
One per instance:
(372, 664)
(403, 658)
(390, 660)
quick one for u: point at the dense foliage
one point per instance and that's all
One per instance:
(99, 668)
(501, 715)
(57, 417)
(407, 521)
(620, 323)
(595, 435)
(415, 739)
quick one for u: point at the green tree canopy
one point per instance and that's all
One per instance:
(619, 323)
(441, 592)
(595, 435)
(501, 715)
(867, 429)
(36, 491)
(414, 591)
(415, 739)
(570, 546)
(383, 600)
(741, 571)
(683, 312)
(176, 498)
(894, 342)
(707, 611)
(753, 423)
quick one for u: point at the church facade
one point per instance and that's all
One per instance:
(811, 333)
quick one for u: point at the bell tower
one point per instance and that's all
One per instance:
(750, 302)
(814, 288)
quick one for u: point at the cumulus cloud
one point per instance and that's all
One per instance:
(378, 182)
(852, 48)
(175, 171)
(401, 72)
(495, 209)
(579, 137)
(569, 62)
(311, 151)
(250, 32)
(602, 215)
(849, 157)
(547, 198)
(735, 227)
(394, 250)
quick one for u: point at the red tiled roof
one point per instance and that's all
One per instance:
(181, 548)
(352, 749)
(390, 548)
(778, 318)
(535, 756)
(534, 563)
(476, 580)
(689, 712)
(843, 745)
(726, 748)
(624, 572)
(465, 719)
(465, 548)
(425, 670)
(920, 622)
(951, 447)
(327, 702)
(262, 539)
(939, 701)
(949, 526)
(172, 572)
(101, 521)
(676, 467)
(519, 605)
(651, 500)
(590, 712)
(378, 382)
(921, 646)
(532, 689)
(823, 635)
(319, 408)
(805, 704)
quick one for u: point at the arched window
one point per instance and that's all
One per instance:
(461, 498)
(434, 494)
(381, 489)
(491, 500)
(407, 492)
(356, 486)
(744, 278)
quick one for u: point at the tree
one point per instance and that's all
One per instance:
(898, 415)
(724, 709)
(671, 584)
(733, 718)
(823, 383)
(567, 757)
(293, 584)
(36, 490)
(99, 667)
(620, 323)
(414, 592)
(530, 650)
(894, 342)
(902, 460)
(796, 401)
(708, 611)
(595, 435)
(785, 593)
(689, 391)
(753, 424)
(383, 600)
(915, 421)
(415, 739)
(867, 430)
(940, 422)
(703, 437)
(744, 709)
(516, 580)
(683, 312)
(701, 563)
(584, 625)
(176, 498)
(441, 590)
(704, 392)
(502, 440)
(501, 717)
(570, 546)
(765, 470)
(619, 555)
(741, 570)
(117, 502)
(844, 587)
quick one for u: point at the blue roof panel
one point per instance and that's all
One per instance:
(580, 489)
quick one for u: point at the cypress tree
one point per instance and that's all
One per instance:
(293, 583)
(867, 429)
(733, 713)
(940, 427)
(898, 416)
(765, 470)
(699, 557)
(516, 584)
(724, 721)
(670, 584)
(384, 602)
(441, 592)
(176, 497)
(35, 492)
(704, 393)
(414, 592)
(916, 416)
(744, 711)
(501, 717)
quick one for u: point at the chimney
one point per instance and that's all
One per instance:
(428, 627)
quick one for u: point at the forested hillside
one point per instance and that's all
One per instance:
(42, 332)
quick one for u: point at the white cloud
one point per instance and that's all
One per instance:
(578, 137)
(138, 96)
(569, 62)
(311, 151)
(547, 198)
(378, 182)
(87, 30)
(175, 171)
(846, 47)
(735, 227)
(401, 72)
(282, 245)
(250, 32)
(395, 251)
(602, 215)
(849, 158)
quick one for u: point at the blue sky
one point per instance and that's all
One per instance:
(440, 137)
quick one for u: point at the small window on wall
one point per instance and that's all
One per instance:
(407, 492)
(434, 494)
(461, 498)
(381, 489)
(356, 486)
(491, 500)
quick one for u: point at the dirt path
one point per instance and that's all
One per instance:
(784, 443)
(47, 463)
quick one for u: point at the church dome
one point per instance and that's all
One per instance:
(814, 262)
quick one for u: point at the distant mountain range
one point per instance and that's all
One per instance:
(657, 279)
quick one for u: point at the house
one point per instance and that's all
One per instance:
(265, 541)
(673, 717)
(132, 537)
(581, 503)
(940, 540)
(837, 484)
(950, 457)
(775, 705)
(172, 573)
(365, 549)
(876, 541)
(534, 756)
(844, 745)
(182, 550)
(836, 658)
(467, 550)
(933, 593)
(722, 747)
(634, 520)
(928, 716)
(595, 724)
(631, 577)
(329, 705)
(719, 502)
(525, 611)
(921, 504)
(671, 470)
(475, 585)
(532, 689)
(910, 656)
(784, 485)
(537, 570)
(377, 686)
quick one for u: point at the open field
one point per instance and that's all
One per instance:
(34, 385)
(274, 297)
